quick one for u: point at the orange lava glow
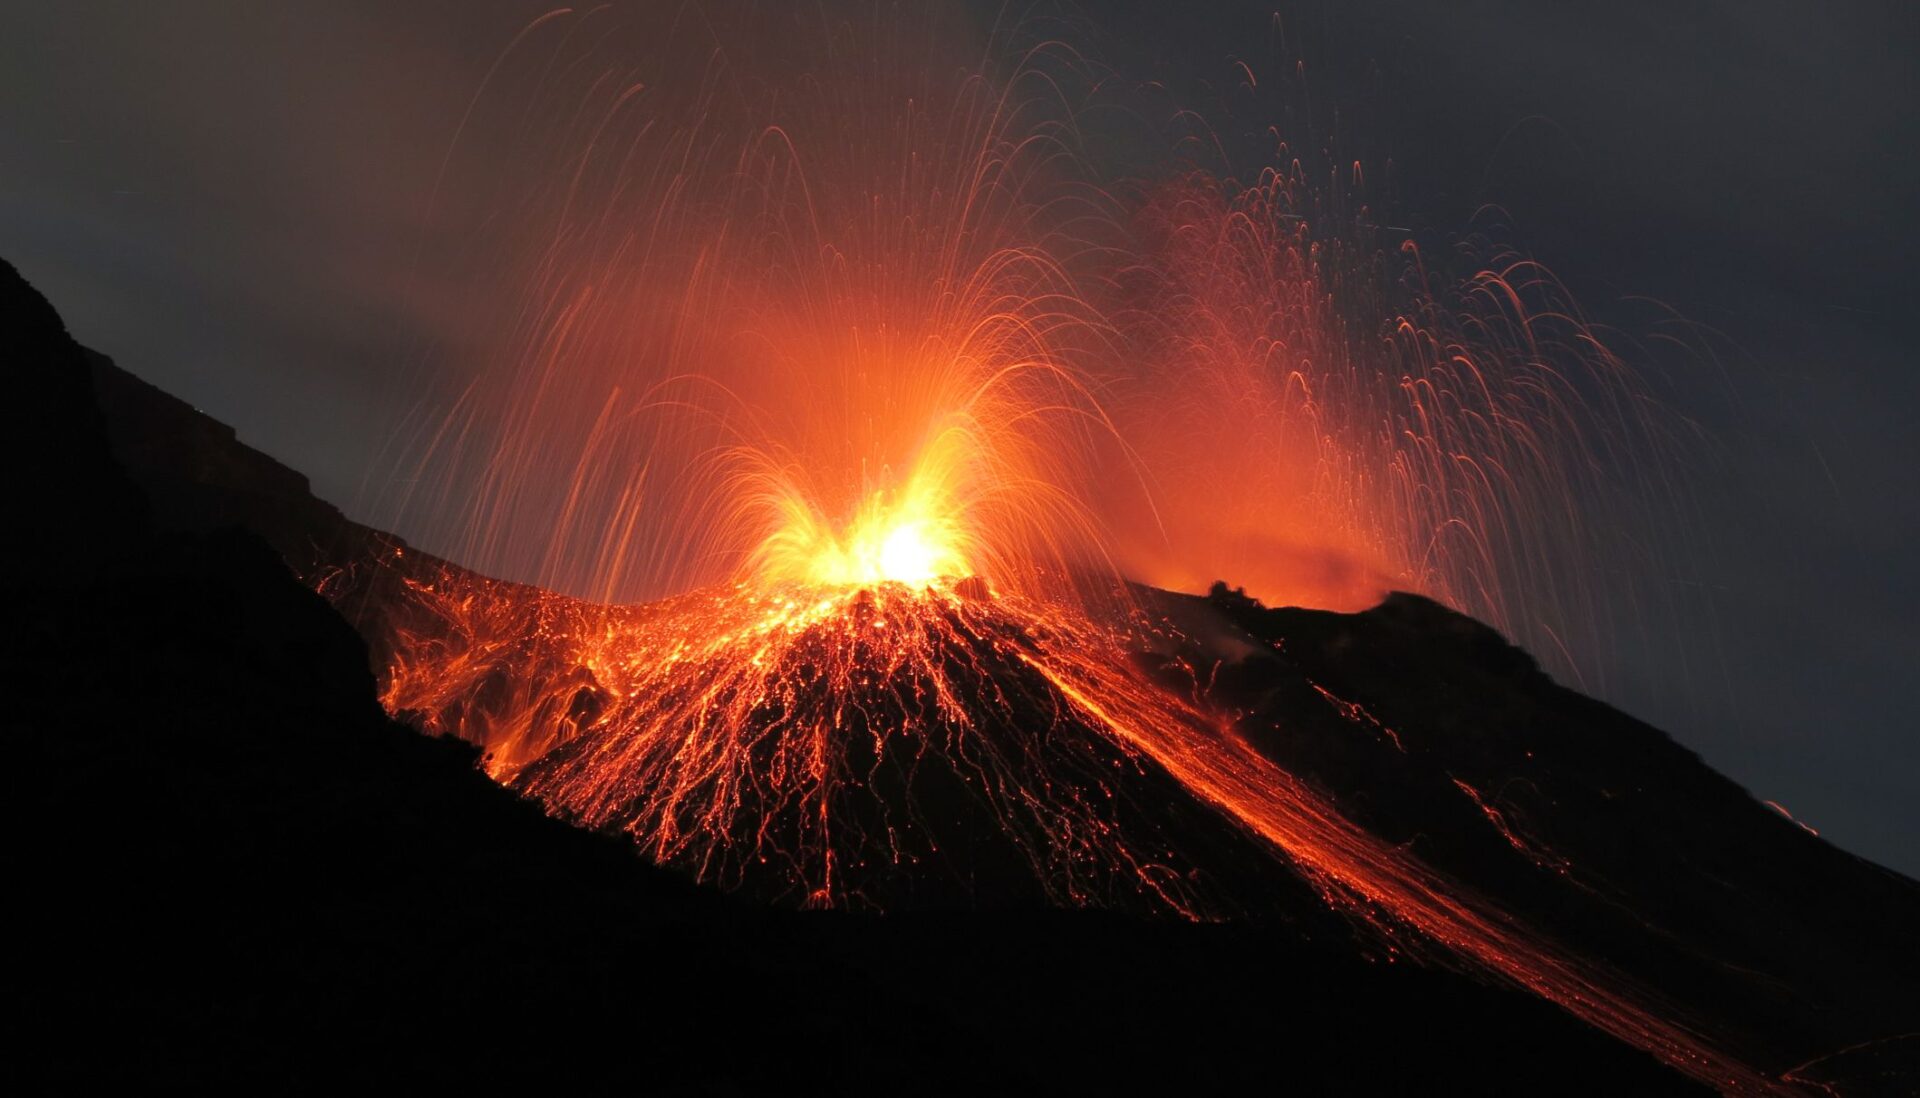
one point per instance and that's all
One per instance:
(831, 410)
(779, 736)
(912, 536)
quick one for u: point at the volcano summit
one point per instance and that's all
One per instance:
(1399, 791)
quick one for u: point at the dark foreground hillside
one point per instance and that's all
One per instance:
(227, 865)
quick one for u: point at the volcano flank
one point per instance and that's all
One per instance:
(310, 805)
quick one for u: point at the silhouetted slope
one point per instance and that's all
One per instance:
(199, 475)
(66, 499)
(228, 866)
(1586, 822)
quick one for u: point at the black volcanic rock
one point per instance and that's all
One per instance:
(229, 868)
(1586, 822)
(67, 500)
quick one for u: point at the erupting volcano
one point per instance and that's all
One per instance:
(872, 388)
(844, 402)
(824, 492)
(896, 742)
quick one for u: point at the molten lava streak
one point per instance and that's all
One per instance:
(836, 727)
(819, 727)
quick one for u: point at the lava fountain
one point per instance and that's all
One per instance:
(804, 443)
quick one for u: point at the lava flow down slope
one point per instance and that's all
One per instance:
(1402, 779)
(811, 512)
(242, 872)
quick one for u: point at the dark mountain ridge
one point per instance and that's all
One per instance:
(243, 870)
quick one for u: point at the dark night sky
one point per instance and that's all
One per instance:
(227, 197)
